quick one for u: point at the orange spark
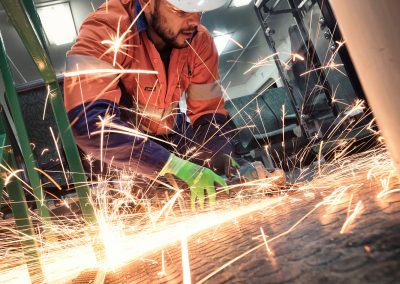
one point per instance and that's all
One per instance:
(385, 193)
(116, 43)
(270, 253)
(330, 65)
(260, 63)
(297, 56)
(49, 177)
(230, 39)
(59, 155)
(162, 272)
(352, 217)
(10, 176)
(185, 261)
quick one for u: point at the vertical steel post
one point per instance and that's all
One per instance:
(312, 54)
(278, 64)
(24, 226)
(20, 208)
(21, 132)
(71, 151)
(34, 16)
(371, 30)
(21, 21)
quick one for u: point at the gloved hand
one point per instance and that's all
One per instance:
(252, 171)
(256, 171)
(245, 170)
(231, 166)
(198, 178)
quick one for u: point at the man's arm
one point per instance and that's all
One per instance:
(91, 97)
(124, 151)
(205, 102)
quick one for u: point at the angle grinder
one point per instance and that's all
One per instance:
(254, 174)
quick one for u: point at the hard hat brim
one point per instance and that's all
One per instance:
(195, 6)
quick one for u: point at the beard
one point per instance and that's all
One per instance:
(159, 25)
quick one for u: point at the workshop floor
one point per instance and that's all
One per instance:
(342, 227)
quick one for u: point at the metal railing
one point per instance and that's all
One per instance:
(23, 16)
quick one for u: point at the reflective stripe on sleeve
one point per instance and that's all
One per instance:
(204, 91)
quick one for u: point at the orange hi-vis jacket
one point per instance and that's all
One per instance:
(114, 58)
(193, 71)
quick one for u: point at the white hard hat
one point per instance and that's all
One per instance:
(193, 6)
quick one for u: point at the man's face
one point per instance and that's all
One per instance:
(172, 25)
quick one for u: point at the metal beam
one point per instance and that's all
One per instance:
(18, 204)
(28, 33)
(21, 132)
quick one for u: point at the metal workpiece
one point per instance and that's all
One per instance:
(372, 36)
(311, 50)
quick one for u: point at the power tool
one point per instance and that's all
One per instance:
(254, 174)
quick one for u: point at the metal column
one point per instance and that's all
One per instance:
(281, 72)
(371, 30)
(23, 25)
(18, 203)
(15, 110)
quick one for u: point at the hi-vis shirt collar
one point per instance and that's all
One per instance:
(141, 22)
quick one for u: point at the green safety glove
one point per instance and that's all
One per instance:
(246, 170)
(231, 167)
(198, 178)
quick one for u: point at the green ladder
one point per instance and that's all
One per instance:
(23, 16)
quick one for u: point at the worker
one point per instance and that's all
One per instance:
(151, 35)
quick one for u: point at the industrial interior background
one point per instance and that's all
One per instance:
(300, 91)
